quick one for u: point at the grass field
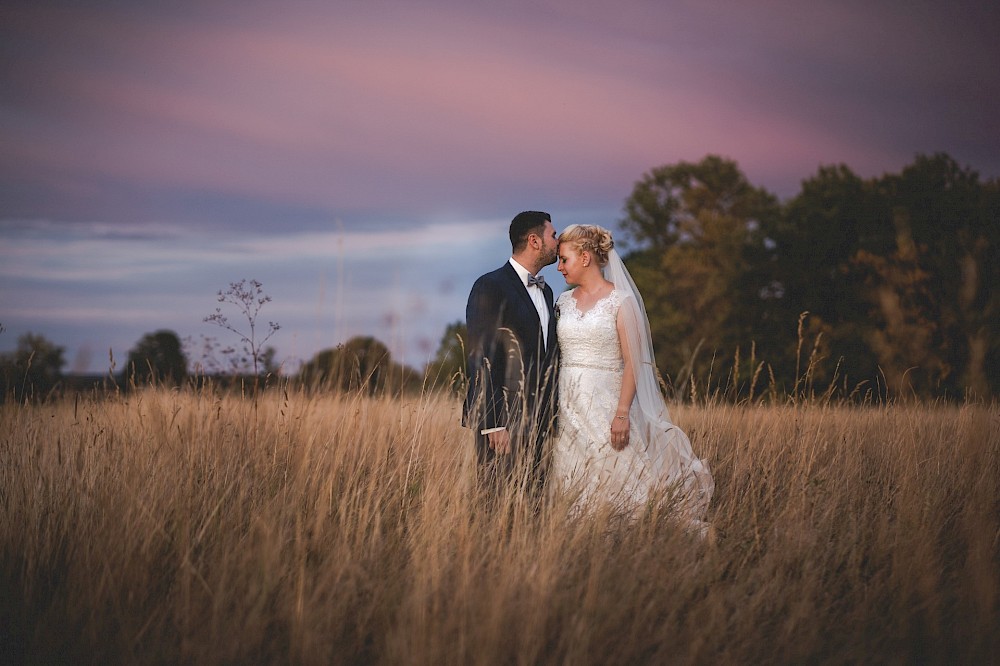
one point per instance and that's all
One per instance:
(196, 527)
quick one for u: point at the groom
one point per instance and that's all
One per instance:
(512, 350)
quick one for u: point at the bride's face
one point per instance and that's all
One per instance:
(570, 263)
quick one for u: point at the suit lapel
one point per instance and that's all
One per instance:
(518, 287)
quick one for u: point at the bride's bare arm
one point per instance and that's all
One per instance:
(620, 422)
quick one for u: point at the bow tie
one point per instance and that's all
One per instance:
(536, 281)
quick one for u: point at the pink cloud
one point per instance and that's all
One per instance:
(415, 109)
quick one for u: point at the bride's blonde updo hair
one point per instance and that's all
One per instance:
(589, 238)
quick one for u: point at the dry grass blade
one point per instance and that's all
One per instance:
(295, 527)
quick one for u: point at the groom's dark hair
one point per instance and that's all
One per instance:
(527, 222)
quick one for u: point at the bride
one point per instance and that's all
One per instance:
(616, 442)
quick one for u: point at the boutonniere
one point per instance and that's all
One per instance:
(556, 309)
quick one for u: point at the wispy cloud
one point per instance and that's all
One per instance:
(112, 284)
(99, 252)
(405, 110)
(363, 159)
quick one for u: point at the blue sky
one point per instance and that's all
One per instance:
(363, 159)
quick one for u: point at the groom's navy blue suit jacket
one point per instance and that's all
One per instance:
(511, 372)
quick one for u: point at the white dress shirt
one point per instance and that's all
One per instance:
(537, 297)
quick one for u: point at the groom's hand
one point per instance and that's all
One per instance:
(500, 441)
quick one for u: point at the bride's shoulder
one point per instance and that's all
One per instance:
(619, 295)
(566, 294)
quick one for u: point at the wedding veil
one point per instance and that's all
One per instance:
(673, 461)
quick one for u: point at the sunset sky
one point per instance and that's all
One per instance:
(363, 159)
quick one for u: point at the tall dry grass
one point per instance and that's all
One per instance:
(203, 528)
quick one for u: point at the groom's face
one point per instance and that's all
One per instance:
(550, 246)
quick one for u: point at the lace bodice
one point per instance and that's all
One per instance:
(589, 339)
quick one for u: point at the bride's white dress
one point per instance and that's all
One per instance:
(658, 460)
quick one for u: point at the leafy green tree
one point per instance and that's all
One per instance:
(448, 367)
(701, 258)
(898, 275)
(835, 215)
(157, 358)
(34, 369)
(933, 297)
(362, 364)
(985, 344)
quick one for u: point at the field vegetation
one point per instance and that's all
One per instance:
(201, 526)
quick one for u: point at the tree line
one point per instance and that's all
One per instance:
(33, 371)
(876, 287)
(886, 285)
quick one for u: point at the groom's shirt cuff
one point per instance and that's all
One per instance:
(489, 430)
